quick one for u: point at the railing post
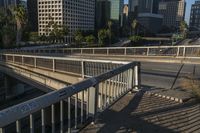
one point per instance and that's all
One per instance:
(130, 79)
(2, 130)
(184, 51)
(178, 50)
(53, 65)
(148, 51)
(107, 51)
(93, 51)
(22, 60)
(83, 69)
(43, 120)
(125, 51)
(93, 102)
(31, 123)
(137, 77)
(53, 118)
(81, 51)
(13, 58)
(18, 126)
(35, 62)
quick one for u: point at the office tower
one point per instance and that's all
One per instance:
(102, 13)
(109, 10)
(146, 12)
(195, 15)
(32, 15)
(173, 12)
(75, 14)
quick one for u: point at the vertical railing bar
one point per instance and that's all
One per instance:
(117, 87)
(87, 108)
(31, 123)
(106, 89)
(61, 116)
(53, 117)
(69, 114)
(82, 106)
(43, 120)
(18, 126)
(76, 109)
(2, 130)
(101, 102)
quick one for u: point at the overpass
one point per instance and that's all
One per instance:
(83, 101)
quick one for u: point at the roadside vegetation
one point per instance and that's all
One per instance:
(192, 84)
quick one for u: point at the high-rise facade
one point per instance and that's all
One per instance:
(146, 12)
(173, 12)
(195, 15)
(102, 15)
(116, 10)
(109, 10)
(32, 9)
(75, 14)
(6, 3)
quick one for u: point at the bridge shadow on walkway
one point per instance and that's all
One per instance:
(142, 113)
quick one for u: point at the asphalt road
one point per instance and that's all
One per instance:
(167, 75)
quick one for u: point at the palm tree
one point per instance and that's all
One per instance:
(134, 26)
(21, 19)
(183, 28)
(110, 23)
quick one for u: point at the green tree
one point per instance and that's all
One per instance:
(7, 28)
(90, 40)
(78, 37)
(134, 26)
(102, 36)
(110, 23)
(183, 28)
(21, 20)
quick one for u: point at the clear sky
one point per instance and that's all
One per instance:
(188, 8)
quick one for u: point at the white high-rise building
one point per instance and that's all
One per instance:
(75, 14)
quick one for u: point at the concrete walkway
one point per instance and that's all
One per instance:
(142, 113)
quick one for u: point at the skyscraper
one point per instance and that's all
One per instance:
(75, 14)
(102, 13)
(109, 10)
(116, 9)
(195, 15)
(32, 14)
(173, 12)
(146, 12)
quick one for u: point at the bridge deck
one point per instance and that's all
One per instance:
(147, 114)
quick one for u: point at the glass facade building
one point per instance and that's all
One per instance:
(195, 15)
(116, 9)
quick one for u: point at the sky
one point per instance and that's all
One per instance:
(188, 8)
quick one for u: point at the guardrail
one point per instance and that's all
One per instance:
(175, 51)
(78, 67)
(70, 108)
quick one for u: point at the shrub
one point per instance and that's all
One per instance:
(192, 84)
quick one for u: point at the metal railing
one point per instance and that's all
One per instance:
(175, 51)
(79, 67)
(68, 109)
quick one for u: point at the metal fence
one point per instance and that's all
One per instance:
(78, 67)
(174, 51)
(68, 109)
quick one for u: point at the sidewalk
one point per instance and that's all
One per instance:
(142, 113)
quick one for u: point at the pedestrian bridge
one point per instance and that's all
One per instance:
(96, 85)
(92, 91)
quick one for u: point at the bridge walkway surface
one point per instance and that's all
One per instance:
(143, 113)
